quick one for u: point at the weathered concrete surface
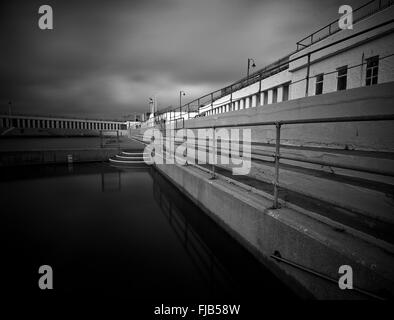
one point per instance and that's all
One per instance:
(362, 198)
(14, 158)
(299, 238)
(364, 195)
(374, 100)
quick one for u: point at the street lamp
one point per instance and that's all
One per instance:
(250, 60)
(181, 93)
(152, 105)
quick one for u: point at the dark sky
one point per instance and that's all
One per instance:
(106, 58)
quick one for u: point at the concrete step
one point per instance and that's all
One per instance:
(129, 158)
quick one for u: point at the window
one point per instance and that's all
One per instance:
(372, 71)
(342, 78)
(274, 95)
(319, 84)
(265, 97)
(285, 95)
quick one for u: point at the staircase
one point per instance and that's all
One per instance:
(135, 159)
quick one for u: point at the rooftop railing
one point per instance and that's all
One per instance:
(360, 13)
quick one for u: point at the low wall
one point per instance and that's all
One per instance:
(14, 158)
(51, 132)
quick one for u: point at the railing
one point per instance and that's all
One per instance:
(195, 105)
(206, 101)
(277, 156)
(360, 13)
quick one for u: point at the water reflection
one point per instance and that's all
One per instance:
(178, 212)
(122, 232)
(111, 181)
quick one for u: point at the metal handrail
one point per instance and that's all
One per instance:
(278, 125)
(329, 26)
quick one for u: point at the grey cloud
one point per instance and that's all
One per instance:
(107, 57)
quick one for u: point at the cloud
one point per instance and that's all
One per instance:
(106, 58)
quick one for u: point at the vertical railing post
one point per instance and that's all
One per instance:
(277, 158)
(117, 139)
(173, 135)
(258, 97)
(214, 154)
(308, 69)
(187, 146)
(231, 98)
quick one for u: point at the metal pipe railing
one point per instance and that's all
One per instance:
(278, 258)
(277, 156)
(330, 28)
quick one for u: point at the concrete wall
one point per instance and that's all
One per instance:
(375, 100)
(249, 219)
(250, 96)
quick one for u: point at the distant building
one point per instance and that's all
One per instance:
(33, 125)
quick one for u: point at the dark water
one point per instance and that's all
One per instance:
(128, 234)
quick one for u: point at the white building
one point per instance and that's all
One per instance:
(363, 60)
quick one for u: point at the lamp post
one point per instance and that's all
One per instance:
(151, 105)
(181, 93)
(250, 60)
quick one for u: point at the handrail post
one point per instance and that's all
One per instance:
(118, 140)
(231, 97)
(307, 74)
(214, 155)
(277, 156)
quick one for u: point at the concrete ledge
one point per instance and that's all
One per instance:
(14, 158)
(297, 237)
